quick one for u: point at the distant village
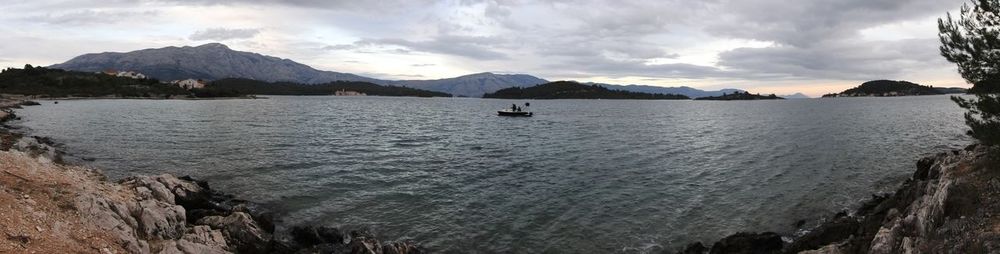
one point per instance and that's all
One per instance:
(199, 83)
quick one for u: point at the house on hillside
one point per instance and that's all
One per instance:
(348, 93)
(131, 74)
(189, 83)
(125, 74)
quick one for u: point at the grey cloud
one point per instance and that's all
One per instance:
(422, 65)
(584, 46)
(90, 17)
(811, 21)
(475, 47)
(340, 47)
(602, 66)
(222, 34)
(347, 5)
(813, 39)
(836, 60)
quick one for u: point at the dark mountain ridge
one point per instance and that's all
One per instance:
(575, 90)
(210, 62)
(682, 90)
(215, 61)
(249, 86)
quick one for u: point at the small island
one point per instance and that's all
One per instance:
(890, 88)
(339, 88)
(575, 90)
(740, 96)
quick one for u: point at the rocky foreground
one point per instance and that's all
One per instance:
(48, 207)
(951, 204)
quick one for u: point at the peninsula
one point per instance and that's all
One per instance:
(740, 96)
(575, 90)
(888, 88)
(249, 86)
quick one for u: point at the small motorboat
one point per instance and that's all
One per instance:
(513, 113)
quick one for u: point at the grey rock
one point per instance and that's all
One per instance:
(159, 220)
(240, 231)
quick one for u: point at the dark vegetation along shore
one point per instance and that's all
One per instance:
(574, 90)
(249, 86)
(740, 96)
(55, 83)
(51, 207)
(45, 82)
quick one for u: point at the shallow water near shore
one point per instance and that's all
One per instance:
(581, 176)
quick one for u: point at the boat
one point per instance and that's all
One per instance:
(513, 113)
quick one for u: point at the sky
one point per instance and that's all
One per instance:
(765, 46)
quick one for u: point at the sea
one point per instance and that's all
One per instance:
(580, 176)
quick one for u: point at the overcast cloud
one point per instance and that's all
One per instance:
(813, 46)
(222, 34)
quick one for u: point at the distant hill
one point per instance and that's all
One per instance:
(887, 88)
(574, 90)
(740, 96)
(474, 85)
(215, 61)
(210, 62)
(683, 90)
(249, 86)
(795, 96)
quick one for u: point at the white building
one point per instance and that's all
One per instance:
(348, 93)
(131, 74)
(189, 83)
(126, 74)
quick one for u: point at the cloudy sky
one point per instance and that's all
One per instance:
(766, 46)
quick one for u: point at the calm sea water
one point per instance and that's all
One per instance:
(582, 176)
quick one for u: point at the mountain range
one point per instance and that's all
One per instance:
(215, 61)
(473, 85)
(683, 90)
(795, 96)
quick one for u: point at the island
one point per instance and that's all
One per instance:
(575, 90)
(740, 96)
(339, 88)
(888, 88)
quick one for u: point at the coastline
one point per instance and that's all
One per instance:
(50, 207)
(917, 217)
(950, 204)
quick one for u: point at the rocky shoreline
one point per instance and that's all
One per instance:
(61, 208)
(951, 204)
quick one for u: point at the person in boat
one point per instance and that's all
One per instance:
(513, 107)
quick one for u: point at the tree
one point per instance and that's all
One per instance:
(973, 43)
